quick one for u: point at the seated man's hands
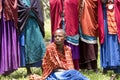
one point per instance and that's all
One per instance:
(35, 77)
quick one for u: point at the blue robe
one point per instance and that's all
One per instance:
(110, 49)
(67, 75)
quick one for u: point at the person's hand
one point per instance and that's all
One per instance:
(35, 77)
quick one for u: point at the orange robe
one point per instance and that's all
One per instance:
(88, 18)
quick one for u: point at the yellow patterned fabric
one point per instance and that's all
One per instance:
(53, 59)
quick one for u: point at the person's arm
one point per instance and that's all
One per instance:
(49, 62)
(47, 65)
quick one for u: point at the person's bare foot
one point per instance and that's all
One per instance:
(113, 77)
(28, 71)
(35, 77)
(104, 71)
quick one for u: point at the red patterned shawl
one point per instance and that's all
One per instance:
(10, 10)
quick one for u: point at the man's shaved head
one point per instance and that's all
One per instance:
(59, 36)
(61, 30)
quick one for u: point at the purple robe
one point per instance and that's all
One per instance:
(9, 46)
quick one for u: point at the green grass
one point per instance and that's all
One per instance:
(47, 30)
(21, 73)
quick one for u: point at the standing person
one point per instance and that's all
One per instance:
(57, 62)
(31, 28)
(64, 14)
(9, 46)
(88, 34)
(109, 30)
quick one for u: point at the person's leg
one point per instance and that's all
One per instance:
(113, 77)
(116, 74)
(76, 64)
(104, 71)
(28, 69)
(94, 65)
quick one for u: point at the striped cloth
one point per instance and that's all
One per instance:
(55, 60)
(112, 27)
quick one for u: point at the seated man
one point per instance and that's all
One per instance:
(57, 62)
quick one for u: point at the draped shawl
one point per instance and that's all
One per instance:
(70, 10)
(10, 10)
(24, 14)
(53, 60)
(101, 20)
(117, 14)
(88, 17)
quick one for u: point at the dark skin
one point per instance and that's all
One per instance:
(28, 70)
(59, 38)
(105, 1)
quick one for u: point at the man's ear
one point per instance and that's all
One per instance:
(65, 37)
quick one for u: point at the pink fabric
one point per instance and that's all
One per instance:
(100, 22)
(117, 16)
(76, 64)
(0, 7)
(55, 11)
(70, 14)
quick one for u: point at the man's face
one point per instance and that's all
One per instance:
(59, 37)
